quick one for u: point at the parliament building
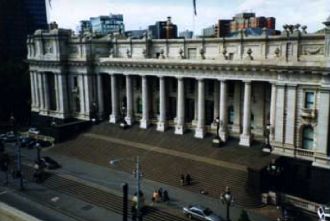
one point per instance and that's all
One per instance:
(257, 86)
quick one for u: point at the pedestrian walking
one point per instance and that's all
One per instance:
(160, 193)
(188, 179)
(165, 196)
(155, 196)
(182, 180)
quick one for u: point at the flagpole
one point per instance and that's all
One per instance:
(193, 25)
(194, 17)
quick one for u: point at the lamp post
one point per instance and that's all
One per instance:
(37, 146)
(217, 140)
(227, 200)
(138, 175)
(275, 170)
(93, 111)
(217, 121)
(267, 147)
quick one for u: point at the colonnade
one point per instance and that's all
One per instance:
(41, 102)
(245, 138)
(40, 93)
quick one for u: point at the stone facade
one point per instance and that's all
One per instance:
(251, 83)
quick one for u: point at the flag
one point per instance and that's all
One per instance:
(194, 4)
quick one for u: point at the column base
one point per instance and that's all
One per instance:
(245, 140)
(161, 126)
(129, 120)
(113, 119)
(144, 124)
(179, 129)
(223, 135)
(199, 133)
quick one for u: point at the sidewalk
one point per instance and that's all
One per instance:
(112, 179)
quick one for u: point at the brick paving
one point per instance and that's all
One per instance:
(251, 157)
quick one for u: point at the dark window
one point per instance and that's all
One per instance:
(309, 100)
(139, 105)
(308, 138)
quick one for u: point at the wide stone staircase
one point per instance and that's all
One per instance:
(166, 168)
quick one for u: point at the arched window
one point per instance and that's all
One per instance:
(308, 138)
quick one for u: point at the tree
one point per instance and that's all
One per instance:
(244, 216)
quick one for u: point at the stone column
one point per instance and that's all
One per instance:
(57, 92)
(145, 104)
(290, 125)
(41, 91)
(200, 130)
(223, 111)
(100, 99)
(129, 101)
(216, 99)
(63, 94)
(33, 90)
(237, 108)
(279, 115)
(87, 94)
(36, 90)
(323, 122)
(245, 138)
(45, 91)
(272, 112)
(180, 108)
(161, 125)
(195, 105)
(114, 100)
(82, 94)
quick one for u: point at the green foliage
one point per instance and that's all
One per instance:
(244, 216)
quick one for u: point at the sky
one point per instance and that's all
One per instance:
(138, 14)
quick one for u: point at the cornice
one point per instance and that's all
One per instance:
(212, 66)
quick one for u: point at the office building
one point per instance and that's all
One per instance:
(103, 25)
(163, 30)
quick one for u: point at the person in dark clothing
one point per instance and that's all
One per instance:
(165, 196)
(160, 193)
(188, 179)
(182, 180)
(133, 211)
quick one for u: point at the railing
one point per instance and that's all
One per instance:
(304, 153)
(301, 203)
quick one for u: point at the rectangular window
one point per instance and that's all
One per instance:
(309, 100)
